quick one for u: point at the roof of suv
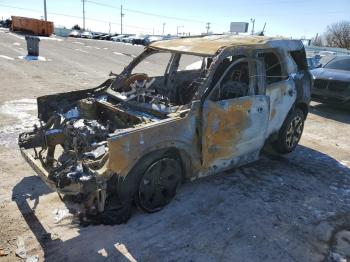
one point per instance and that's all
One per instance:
(209, 45)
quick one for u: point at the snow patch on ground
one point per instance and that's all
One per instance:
(6, 57)
(117, 53)
(19, 37)
(60, 214)
(79, 43)
(50, 38)
(33, 58)
(23, 111)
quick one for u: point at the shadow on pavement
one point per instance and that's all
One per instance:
(331, 111)
(269, 210)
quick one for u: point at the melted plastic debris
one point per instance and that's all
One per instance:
(60, 214)
(98, 152)
(73, 113)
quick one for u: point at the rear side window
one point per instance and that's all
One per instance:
(273, 67)
(339, 64)
(190, 62)
(300, 60)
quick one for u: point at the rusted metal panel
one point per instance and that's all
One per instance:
(282, 97)
(233, 128)
(31, 25)
(210, 45)
(126, 148)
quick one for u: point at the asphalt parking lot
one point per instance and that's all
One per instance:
(282, 208)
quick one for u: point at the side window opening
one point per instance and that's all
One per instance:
(299, 58)
(273, 67)
(234, 84)
(153, 65)
(222, 67)
(189, 77)
(190, 62)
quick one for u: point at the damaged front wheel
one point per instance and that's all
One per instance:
(159, 184)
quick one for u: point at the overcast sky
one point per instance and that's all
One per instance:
(298, 18)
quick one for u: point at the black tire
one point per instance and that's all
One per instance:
(290, 132)
(158, 184)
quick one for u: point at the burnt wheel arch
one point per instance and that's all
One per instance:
(158, 184)
(127, 186)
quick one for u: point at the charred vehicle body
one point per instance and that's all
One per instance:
(139, 135)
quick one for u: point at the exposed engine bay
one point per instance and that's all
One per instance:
(71, 140)
(69, 147)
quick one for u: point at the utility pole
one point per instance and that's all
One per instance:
(253, 21)
(177, 29)
(109, 27)
(264, 29)
(208, 27)
(121, 19)
(45, 12)
(83, 14)
(163, 28)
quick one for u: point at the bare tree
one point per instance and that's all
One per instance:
(338, 35)
(76, 27)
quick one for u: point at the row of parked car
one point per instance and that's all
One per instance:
(331, 79)
(124, 38)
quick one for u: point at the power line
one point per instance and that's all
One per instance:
(75, 16)
(151, 14)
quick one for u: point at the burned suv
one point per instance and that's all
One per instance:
(135, 138)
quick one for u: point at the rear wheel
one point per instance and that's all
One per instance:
(159, 184)
(290, 132)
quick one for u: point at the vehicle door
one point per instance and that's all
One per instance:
(235, 117)
(279, 85)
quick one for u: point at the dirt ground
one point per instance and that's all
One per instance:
(282, 208)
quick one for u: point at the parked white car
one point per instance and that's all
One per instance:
(74, 33)
(118, 38)
(86, 35)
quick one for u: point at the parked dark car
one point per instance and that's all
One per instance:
(140, 40)
(107, 36)
(332, 80)
(6, 23)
